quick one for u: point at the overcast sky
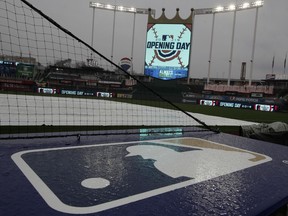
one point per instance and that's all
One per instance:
(271, 40)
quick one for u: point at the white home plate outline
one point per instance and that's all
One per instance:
(54, 202)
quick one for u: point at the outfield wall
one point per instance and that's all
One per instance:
(259, 104)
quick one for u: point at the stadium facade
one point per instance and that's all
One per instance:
(269, 94)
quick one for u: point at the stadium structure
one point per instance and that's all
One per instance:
(41, 58)
(78, 138)
(72, 76)
(25, 75)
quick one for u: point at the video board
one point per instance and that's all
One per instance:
(168, 51)
(13, 69)
(26, 70)
(265, 107)
(47, 90)
(208, 102)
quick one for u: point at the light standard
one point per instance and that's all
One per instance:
(116, 8)
(225, 9)
(232, 44)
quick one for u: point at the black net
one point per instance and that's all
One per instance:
(54, 84)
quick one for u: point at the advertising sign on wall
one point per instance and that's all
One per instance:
(125, 63)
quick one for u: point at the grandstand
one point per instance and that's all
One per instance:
(85, 78)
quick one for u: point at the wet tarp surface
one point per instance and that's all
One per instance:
(180, 173)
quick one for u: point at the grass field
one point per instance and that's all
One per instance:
(241, 114)
(233, 113)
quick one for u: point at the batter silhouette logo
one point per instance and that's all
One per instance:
(95, 178)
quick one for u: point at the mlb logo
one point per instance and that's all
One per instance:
(164, 37)
(94, 178)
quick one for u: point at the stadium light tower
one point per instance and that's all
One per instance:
(231, 8)
(117, 8)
